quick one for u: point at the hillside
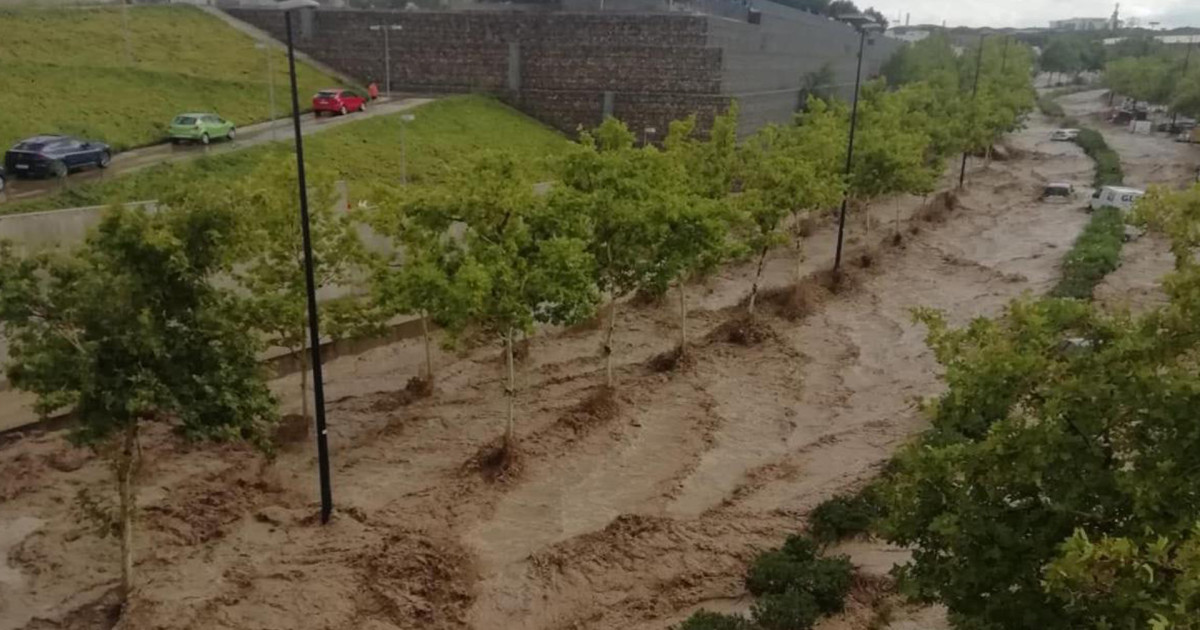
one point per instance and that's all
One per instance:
(70, 71)
(361, 152)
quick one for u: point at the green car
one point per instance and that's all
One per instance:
(201, 128)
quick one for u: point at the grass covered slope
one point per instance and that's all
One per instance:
(362, 152)
(68, 71)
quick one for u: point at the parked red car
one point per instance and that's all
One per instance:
(340, 101)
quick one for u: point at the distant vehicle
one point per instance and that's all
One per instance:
(55, 156)
(1064, 134)
(1119, 197)
(1179, 126)
(202, 128)
(338, 101)
(1, 179)
(1191, 135)
(1058, 190)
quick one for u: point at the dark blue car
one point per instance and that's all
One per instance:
(54, 156)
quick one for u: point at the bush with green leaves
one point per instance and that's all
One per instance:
(793, 609)
(797, 565)
(1108, 163)
(1057, 485)
(1094, 255)
(706, 620)
(1050, 106)
(843, 516)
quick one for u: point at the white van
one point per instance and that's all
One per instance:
(1118, 197)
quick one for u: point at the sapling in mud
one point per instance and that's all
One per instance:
(271, 262)
(695, 242)
(890, 156)
(619, 188)
(430, 273)
(785, 171)
(531, 256)
(129, 329)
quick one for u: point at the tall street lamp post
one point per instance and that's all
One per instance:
(1187, 56)
(314, 332)
(962, 171)
(270, 85)
(864, 24)
(387, 53)
(405, 119)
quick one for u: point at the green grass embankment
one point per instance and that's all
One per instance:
(69, 70)
(361, 152)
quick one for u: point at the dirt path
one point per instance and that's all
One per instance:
(622, 520)
(1147, 160)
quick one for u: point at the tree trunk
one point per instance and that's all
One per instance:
(682, 318)
(509, 431)
(428, 348)
(608, 338)
(304, 379)
(762, 257)
(799, 259)
(867, 214)
(128, 498)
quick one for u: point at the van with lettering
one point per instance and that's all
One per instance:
(1118, 197)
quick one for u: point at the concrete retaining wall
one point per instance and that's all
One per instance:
(52, 229)
(571, 68)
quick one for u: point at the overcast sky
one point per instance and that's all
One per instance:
(1034, 12)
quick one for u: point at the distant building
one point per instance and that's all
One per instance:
(1166, 39)
(1081, 24)
(907, 34)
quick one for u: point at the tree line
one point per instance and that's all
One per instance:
(161, 317)
(1160, 74)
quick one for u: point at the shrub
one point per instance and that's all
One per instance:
(1094, 255)
(843, 517)
(1049, 106)
(705, 620)
(1108, 163)
(796, 566)
(793, 609)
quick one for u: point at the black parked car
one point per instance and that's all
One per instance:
(46, 156)
(1, 179)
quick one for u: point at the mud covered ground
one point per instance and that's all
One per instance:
(626, 513)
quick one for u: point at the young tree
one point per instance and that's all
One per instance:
(696, 217)
(708, 163)
(128, 330)
(785, 171)
(430, 273)
(890, 154)
(532, 261)
(271, 265)
(695, 241)
(620, 189)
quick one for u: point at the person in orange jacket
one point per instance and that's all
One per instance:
(373, 91)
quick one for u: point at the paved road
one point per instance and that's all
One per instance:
(248, 136)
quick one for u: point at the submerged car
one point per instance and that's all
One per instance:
(1064, 134)
(339, 101)
(55, 156)
(202, 128)
(1058, 190)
